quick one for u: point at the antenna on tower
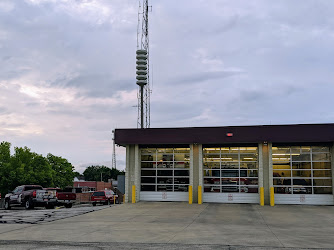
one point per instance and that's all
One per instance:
(142, 66)
(113, 162)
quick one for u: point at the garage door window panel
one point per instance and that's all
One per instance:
(249, 181)
(322, 190)
(180, 188)
(248, 165)
(249, 189)
(148, 173)
(212, 151)
(150, 188)
(248, 157)
(211, 181)
(212, 158)
(302, 182)
(309, 168)
(281, 173)
(301, 173)
(165, 180)
(321, 149)
(248, 150)
(181, 180)
(181, 165)
(230, 189)
(231, 165)
(321, 165)
(322, 173)
(322, 182)
(181, 173)
(229, 157)
(230, 173)
(229, 181)
(300, 157)
(148, 165)
(322, 157)
(301, 165)
(148, 180)
(165, 188)
(159, 167)
(212, 165)
(211, 173)
(165, 157)
(165, 173)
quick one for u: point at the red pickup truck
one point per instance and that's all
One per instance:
(64, 198)
(30, 196)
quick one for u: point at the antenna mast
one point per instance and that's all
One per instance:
(142, 65)
(113, 163)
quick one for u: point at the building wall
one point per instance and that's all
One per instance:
(83, 197)
(130, 171)
(98, 185)
(194, 169)
(85, 184)
(121, 183)
(103, 185)
(332, 163)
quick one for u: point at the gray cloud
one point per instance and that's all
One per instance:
(67, 70)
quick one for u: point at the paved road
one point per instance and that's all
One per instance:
(176, 225)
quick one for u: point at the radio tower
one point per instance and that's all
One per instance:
(113, 163)
(142, 66)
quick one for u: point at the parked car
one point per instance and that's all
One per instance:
(30, 196)
(64, 198)
(106, 197)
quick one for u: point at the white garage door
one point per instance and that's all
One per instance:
(302, 175)
(230, 175)
(164, 174)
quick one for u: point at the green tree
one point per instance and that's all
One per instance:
(26, 167)
(5, 166)
(62, 171)
(94, 173)
(78, 175)
(30, 168)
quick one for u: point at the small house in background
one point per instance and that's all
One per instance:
(84, 189)
(90, 186)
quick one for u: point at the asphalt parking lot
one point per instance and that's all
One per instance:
(19, 215)
(175, 225)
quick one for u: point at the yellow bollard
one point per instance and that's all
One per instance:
(133, 194)
(199, 194)
(190, 194)
(123, 198)
(261, 196)
(272, 197)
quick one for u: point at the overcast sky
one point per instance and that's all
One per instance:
(67, 69)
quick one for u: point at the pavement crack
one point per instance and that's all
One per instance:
(188, 224)
(264, 221)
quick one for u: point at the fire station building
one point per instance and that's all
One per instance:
(267, 165)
